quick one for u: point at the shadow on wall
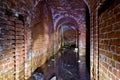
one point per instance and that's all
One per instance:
(42, 36)
(42, 33)
(87, 39)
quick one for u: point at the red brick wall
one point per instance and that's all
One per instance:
(42, 35)
(109, 42)
(7, 48)
(24, 46)
(105, 50)
(22, 43)
(28, 52)
(12, 48)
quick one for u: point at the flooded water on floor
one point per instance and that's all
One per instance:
(65, 65)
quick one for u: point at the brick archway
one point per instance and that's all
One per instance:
(67, 20)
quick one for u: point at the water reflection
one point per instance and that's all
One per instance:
(65, 65)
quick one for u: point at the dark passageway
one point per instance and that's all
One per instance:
(59, 39)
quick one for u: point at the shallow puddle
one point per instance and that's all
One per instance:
(65, 65)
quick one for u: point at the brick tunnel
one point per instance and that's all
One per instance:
(62, 39)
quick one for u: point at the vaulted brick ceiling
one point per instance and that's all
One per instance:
(30, 5)
(74, 9)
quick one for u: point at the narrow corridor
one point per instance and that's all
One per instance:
(65, 65)
(60, 39)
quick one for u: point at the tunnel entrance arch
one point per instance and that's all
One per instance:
(68, 31)
(67, 23)
(68, 35)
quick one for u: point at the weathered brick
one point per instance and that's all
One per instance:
(20, 37)
(114, 35)
(9, 37)
(116, 57)
(118, 50)
(116, 26)
(108, 54)
(117, 10)
(19, 26)
(118, 18)
(18, 22)
(116, 72)
(109, 39)
(20, 29)
(117, 66)
(115, 42)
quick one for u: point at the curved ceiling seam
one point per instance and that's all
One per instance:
(88, 6)
(73, 21)
(71, 27)
(65, 17)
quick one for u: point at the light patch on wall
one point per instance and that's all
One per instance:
(1, 49)
(16, 15)
(81, 44)
(31, 55)
(76, 50)
(43, 51)
(53, 78)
